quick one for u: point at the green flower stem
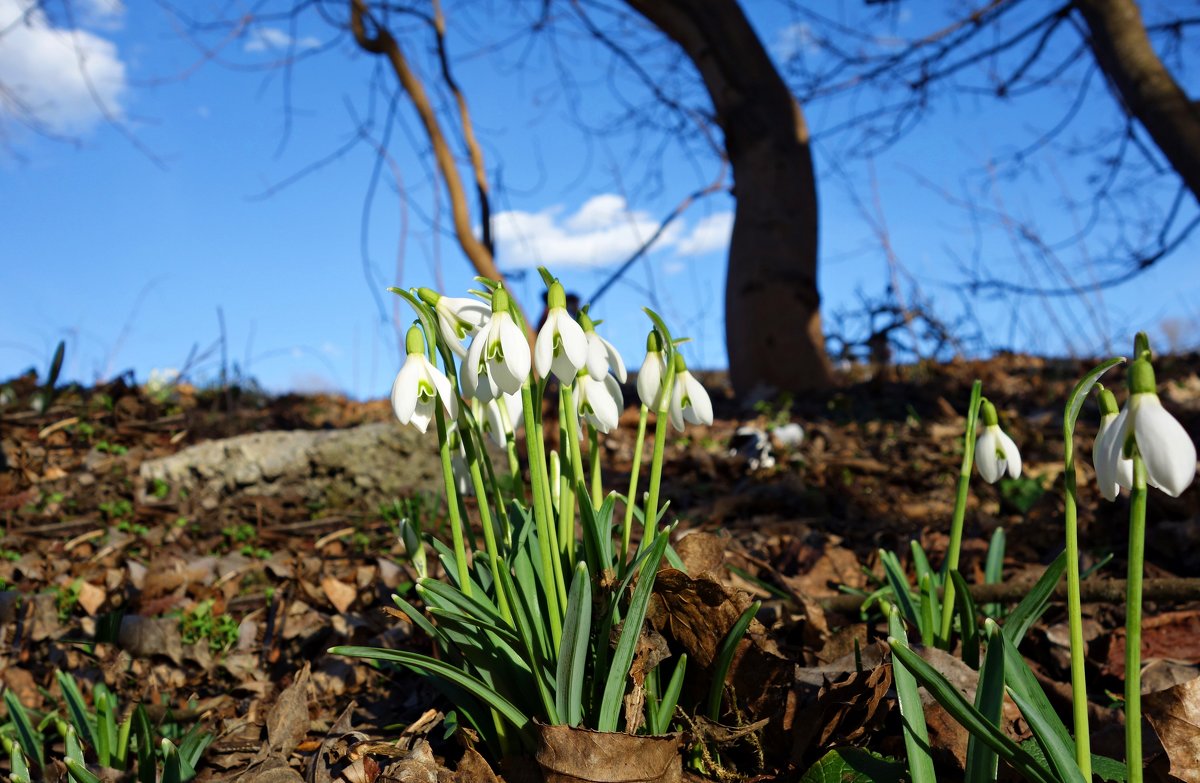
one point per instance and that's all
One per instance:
(631, 498)
(465, 428)
(566, 514)
(650, 512)
(456, 524)
(960, 512)
(551, 565)
(572, 434)
(1079, 703)
(510, 441)
(560, 582)
(594, 458)
(1133, 621)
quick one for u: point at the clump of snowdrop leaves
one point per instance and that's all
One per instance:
(420, 385)
(547, 555)
(995, 452)
(1144, 425)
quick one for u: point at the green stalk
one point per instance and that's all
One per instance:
(485, 514)
(456, 524)
(1133, 621)
(566, 519)
(551, 565)
(662, 421)
(572, 434)
(1079, 705)
(631, 498)
(960, 512)
(594, 458)
(560, 582)
(510, 440)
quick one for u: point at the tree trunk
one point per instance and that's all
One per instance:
(772, 308)
(1145, 86)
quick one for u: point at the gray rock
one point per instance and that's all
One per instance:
(362, 466)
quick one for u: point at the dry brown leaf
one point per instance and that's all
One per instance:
(419, 766)
(288, 720)
(1175, 716)
(570, 755)
(91, 597)
(474, 769)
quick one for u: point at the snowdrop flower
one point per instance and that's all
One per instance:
(995, 452)
(601, 355)
(419, 385)
(501, 416)
(689, 400)
(1144, 424)
(498, 360)
(458, 317)
(1110, 483)
(561, 347)
(600, 402)
(650, 376)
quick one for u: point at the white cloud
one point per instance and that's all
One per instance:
(45, 68)
(710, 233)
(601, 232)
(263, 39)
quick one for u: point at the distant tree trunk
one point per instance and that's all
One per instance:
(772, 308)
(1147, 89)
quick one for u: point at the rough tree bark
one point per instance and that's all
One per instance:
(772, 307)
(1145, 86)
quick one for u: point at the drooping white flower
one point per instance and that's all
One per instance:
(501, 416)
(600, 402)
(458, 317)
(650, 376)
(995, 452)
(561, 346)
(498, 359)
(1144, 424)
(689, 400)
(419, 385)
(1110, 483)
(602, 356)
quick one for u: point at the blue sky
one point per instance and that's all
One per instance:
(127, 250)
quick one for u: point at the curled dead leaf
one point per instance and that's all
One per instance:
(1175, 716)
(571, 755)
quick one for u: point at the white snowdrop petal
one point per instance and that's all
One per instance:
(1168, 452)
(701, 403)
(1012, 456)
(597, 357)
(442, 384)
(574, 343)
(404, 390)
(991, 468)
(649, 379)
(1106, 478)
(615, 362)
(543, 349)
(517, 359)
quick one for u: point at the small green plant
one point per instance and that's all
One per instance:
(241, 533)
(120, 510)
(1022, 493)
(777, 412)
(159, 488)
(43, 398)
(135, 528)
(119, 746)
(84, 430)
(199, 624)
(115, 449)
(66, 598)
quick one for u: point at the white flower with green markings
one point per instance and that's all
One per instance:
(458, 317)
(689, 400)
(1144, 424)
(561, 346)
(995, 452)
(420, 385)
(654, 369)
(600, 402)
(498, 360)
(602, 356)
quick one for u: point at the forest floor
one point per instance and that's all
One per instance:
(215, 603)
